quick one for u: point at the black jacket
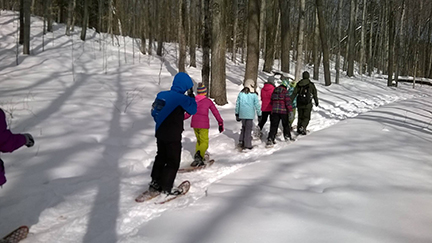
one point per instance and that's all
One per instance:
(313, 91)
(171, 128)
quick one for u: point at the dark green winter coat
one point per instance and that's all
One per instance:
(313, 91)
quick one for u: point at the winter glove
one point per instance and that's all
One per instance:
(259, 119)
(291, 116)
(190, 93)
(238, 118)
(29, 140)
(316, 104)
(221, 128)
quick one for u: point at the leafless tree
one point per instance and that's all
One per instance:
(271, 27)
(253, 40)
(351, 39)
(300, 40)
(182, 36)
(285, 35)
(325, 48)
(218, 50)
(206, 41)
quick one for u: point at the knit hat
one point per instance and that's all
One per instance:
(292, 84)
(202, 89)
(271, 80)
(306, 75)
(249, 83)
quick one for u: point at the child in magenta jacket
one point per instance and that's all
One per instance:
(266, 106)
(10, 142)
(201, 123)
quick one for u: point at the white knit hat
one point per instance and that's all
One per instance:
(249, 83)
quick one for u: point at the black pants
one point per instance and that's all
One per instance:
(166, 163)
(275, 118)
(304, 115)
(265, 115)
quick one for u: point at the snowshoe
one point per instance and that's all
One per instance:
(198, 160)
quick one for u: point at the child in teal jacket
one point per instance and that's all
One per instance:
(247, 105)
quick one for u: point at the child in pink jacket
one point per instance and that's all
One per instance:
(266, 107)
(201, 123)
(10, 142)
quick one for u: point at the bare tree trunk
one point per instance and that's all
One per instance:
(182, 37)
(370, 53)
(270, 25)
(383, 42)
(49, 16)
(193, 32)
(253, 41)
(22, 22)
(100, 14)
(111, 20)
(362, 40)
(205, 73)
(339, 34)
(323, 34)
(218, 74)
(351, 44)
(316, 49)
(243, 26)
(161, 26)
(300, 40)
(71, 9)
(417, 52)
(150, 26)
(234, 36)
(428, 63)
(400, 44)
(390, 43)
(285, 36)
(26, 44)
(262, 30)
(85, 20)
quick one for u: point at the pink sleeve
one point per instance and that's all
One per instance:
(187, 115)
(216, 114)
(10, 142)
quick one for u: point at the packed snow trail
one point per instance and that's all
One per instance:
(366, 179)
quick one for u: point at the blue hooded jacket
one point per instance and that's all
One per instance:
(167, 101)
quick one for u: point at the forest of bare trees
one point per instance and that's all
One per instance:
(350, 37)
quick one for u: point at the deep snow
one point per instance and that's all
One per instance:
(362, 175)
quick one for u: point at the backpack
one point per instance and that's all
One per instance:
(157, 106)
(304, 95)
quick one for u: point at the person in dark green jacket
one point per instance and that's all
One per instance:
(304, 91)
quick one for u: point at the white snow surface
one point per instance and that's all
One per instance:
(363, 174)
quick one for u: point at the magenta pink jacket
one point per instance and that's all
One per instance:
(9, 141)
(266, 93)
(201, 118)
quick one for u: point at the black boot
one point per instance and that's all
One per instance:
(154, 186)
(198, 160)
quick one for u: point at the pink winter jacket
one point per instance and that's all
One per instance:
(9, 141)
(266, 93)
(201, 118)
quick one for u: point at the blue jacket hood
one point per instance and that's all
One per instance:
(181, 83)
(167, 101)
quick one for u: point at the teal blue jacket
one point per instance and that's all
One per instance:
(247, 105)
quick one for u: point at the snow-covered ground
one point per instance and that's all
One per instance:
(362, 175)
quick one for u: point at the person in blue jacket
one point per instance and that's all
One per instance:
(247, 105)
(168, 112)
